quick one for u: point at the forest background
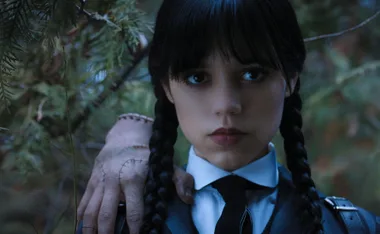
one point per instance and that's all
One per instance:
(69, 68)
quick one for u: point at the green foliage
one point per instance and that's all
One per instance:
(122, 24)
(26, 22)
(348, 82)
(55, 64)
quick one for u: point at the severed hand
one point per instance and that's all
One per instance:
(119, 173)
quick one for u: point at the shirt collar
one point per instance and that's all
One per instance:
(262, 171)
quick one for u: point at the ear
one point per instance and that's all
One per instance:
(167, 92)
(292, 85)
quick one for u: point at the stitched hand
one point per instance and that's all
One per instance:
(119, 173)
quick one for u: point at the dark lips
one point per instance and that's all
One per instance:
(227, 136)
(227, 131)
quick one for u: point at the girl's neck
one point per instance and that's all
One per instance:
(232, 162)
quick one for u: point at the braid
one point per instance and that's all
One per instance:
(159, 185)
(296, 155)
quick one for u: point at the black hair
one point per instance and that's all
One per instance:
(261, 31)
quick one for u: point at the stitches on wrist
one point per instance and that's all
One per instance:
(135, 146)
(125, 149)
(136, 117)
(142, 146)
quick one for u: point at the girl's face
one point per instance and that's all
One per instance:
(226, 94)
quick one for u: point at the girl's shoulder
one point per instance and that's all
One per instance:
(355, 219)
(338, 212)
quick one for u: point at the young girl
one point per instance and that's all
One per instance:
(228, 73)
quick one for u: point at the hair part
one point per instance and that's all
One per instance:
(186, 33)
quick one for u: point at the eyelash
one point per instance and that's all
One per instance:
(263, 72)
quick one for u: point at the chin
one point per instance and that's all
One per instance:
(230, 161)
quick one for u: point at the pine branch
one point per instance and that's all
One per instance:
(125, 74)
(5, 94)
(14, 22)
(57, 129)
(111, 45)
(344, 31)
(24, 22)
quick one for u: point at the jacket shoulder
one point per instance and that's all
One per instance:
(352, 219)
(339, 215)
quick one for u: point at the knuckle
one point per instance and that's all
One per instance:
(131, 177)
(105, 216)
(95, 179)
(134, 201)
(90, 216)
(134, 217)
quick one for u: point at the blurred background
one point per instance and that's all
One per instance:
(66, 76)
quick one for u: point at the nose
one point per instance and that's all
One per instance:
(227, 101)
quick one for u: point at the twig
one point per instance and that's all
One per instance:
(40, 114)
(103, 96)
(96, 17)
(344, 31)
(81, 8)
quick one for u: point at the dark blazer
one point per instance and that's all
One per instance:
(285, 218)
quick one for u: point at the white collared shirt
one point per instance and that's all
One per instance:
(209, 204)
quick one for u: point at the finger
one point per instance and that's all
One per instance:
(91, 213)
(79, 227)
(184, 183)
(84, 201)
(135, 206)
(108, 209)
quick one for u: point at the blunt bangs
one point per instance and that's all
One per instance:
(188, 31)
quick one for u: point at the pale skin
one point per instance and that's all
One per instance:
(221, 94)
(119, 173)
(226, 94)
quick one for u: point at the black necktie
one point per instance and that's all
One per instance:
(232, 188)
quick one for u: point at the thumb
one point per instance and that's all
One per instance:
(184, 183)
